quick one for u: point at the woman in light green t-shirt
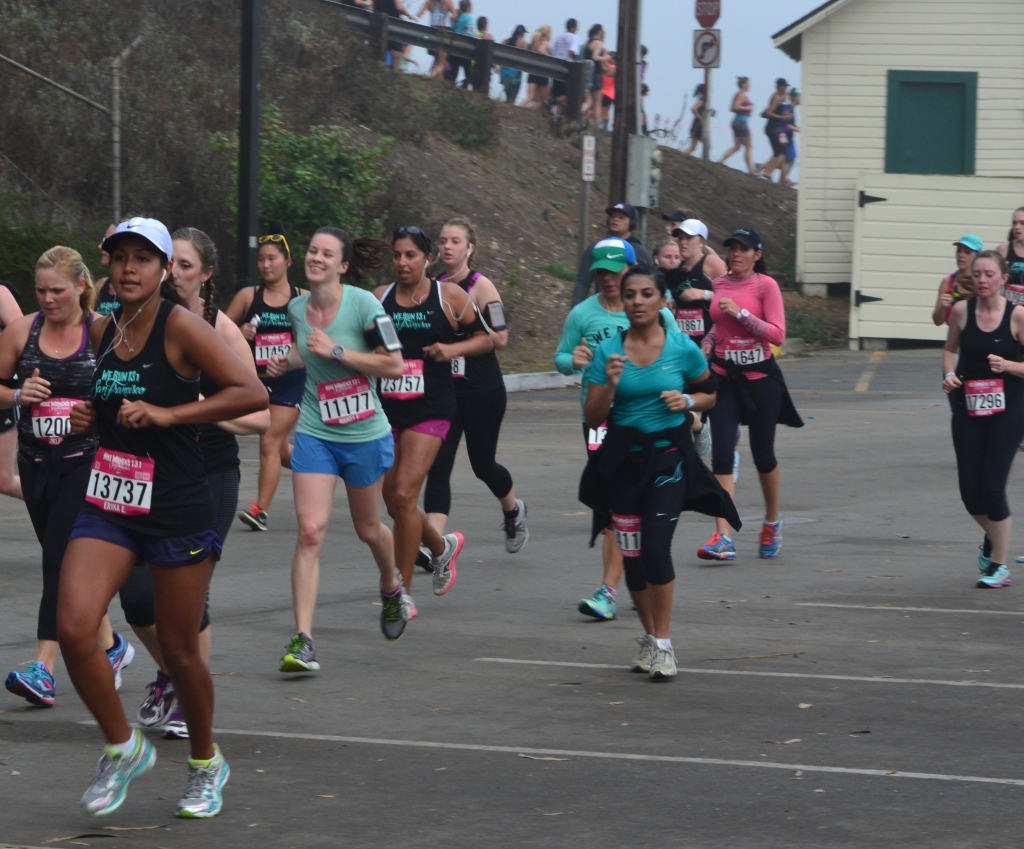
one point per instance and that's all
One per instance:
(342, 430)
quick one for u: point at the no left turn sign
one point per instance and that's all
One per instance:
(707, 48)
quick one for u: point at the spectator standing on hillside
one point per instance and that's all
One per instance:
(622, 221)
(512, 78)
(394, 9)
(787, 166)
(774, 127)
(464, 25)
(481, 29)
(567, 47)
(538, 88)
(441, 14)
(595, 52)
(608, 92)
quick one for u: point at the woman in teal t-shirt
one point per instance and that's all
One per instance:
(342, 430)
(645, 372)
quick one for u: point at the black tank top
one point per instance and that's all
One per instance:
(44, 430)
(1016, 264)
(482, 373)
(220, 448)
(418, 326)
(106, 301)
(693, 317)
(976, 345)
(273, 321)
(180, 500)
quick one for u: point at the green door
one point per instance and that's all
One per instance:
(930, 122)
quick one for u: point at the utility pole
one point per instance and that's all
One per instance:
(627, 100)
(248, 145)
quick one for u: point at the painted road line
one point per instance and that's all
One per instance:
(614, 756)
(864, 383)
(876, 679)
(911, 609)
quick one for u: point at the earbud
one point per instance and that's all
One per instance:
(163, 276)
(470, 251)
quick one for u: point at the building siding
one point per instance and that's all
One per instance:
(846, 58)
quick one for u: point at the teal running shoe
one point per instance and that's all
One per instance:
(601, 605)
(35, 684)
(204, 795)
(113, 773)
(995, 577)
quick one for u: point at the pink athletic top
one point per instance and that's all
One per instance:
(747, 340)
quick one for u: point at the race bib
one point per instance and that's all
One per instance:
(51, 420)
(346, 401)
(271, 344)
(596, 435)
(691, 321)
(406, 387)
(121, 483)
(1014, 293)
(627, 534)
(744, 352)
(459, 367)
(985, 397)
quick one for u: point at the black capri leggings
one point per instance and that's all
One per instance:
(53, 496)
(985, 447)
(479, 415)
(136, 595)
(648, 559)
(725, 418)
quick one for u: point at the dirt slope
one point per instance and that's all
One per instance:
(523, 199)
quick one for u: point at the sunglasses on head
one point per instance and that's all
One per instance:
(402, 232)
(275, 238)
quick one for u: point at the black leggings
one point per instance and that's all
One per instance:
(479, 415)
(658, 509)
(985, 447)
(137, 593)
(53, 500)
(725, 418)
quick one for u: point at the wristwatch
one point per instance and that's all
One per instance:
(744, 313)
(337, 352)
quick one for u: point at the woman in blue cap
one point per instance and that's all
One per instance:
(957, 285)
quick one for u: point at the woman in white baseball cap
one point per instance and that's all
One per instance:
(148, 499)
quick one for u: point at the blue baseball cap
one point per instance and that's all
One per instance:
(150, 229)
(971, 242)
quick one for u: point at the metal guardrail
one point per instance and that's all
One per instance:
(379, 29)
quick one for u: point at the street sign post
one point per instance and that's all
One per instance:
(707, 12)
(707, 48)
(589, 151)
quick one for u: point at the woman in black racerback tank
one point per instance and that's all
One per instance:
(983, 363)
(421, 403)
(49, 351)
(148, 498)
(261, 312)
(480, 398)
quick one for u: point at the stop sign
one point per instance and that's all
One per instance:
(708, 12)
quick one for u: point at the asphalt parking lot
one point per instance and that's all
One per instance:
(857, 691)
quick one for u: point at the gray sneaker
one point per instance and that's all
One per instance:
(300, 655)
(516, 532)
(702, 440)
(642, 661)
(113, 772)
(204, 795)
(444, 566)
(394, 615)
(663, 664)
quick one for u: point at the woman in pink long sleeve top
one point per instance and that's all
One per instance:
(749, 318)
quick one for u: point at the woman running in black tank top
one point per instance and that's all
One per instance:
(480, 398)
(261, 312)
(10, 483)
(983, 363)
(50, 352)
(148, 498)
(421, 403)
(195, 263)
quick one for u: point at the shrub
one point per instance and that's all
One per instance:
(468, 119)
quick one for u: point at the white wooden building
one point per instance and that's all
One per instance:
(912, 134)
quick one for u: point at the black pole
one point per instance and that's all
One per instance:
(249, 145)
(626, 57)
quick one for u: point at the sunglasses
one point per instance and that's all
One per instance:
(402, 232)
(277, 239)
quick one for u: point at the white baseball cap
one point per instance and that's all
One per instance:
(150, 229)
(692, 227)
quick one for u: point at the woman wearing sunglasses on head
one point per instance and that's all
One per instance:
(421, 403)
(262, 314)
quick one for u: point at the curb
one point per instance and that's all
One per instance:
(539, 380)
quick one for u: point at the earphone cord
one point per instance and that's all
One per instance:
(120, 337)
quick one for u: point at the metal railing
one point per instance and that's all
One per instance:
(379, 29)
